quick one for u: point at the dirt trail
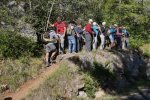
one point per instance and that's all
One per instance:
(25, 89)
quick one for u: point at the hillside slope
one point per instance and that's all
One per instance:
(95, 75)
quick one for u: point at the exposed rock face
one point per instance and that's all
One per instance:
(17, 13)
(82, 94)
(26, 30)
(115, 62)
(12, 3)
(99, 94)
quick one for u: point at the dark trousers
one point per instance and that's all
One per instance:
(88, 44)
(79, 44)
(119, 42)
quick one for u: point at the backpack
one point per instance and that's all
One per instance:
(125, 32)
(70, 29)
(111, 30)
(103, 30)
(40, 36)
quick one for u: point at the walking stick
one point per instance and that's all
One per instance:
(48, 18)
(59, 45)
(49, 15)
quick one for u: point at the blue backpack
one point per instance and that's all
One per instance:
(112, 30)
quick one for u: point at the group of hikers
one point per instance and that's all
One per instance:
(91, 35)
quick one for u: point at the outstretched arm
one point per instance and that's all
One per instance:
(51, 25)
(49, 40)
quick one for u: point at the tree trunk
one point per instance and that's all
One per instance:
(30, 4)
(50, 11)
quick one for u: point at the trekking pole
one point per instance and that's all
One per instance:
(59, 45)
(49, 15)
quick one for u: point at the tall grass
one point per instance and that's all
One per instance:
(54, 87)
(15, 72)
(20, 59)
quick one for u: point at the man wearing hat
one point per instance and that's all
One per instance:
(112, 32)
(88, 35)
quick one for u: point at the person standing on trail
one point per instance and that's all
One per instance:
(96, 29)
(118, 37)
(50, 47)
(61, 31)
(71, 37)
(112, 32)
(102, 35)
(125, 38)
(88, 35)
(79, 35)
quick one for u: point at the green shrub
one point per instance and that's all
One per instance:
(137, 40)
(6, 17)
(90, 86)
(146, 49)
(14, 46)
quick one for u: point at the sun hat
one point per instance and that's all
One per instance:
(104, 23)
(90, 20)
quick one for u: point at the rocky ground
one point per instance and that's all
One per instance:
(114, 71)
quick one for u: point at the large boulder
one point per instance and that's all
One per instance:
(100, 65)
(115, 63)
(26, 30)
(12, 3)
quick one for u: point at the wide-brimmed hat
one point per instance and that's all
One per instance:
(115, 25)
(90, 20)
(103, 23)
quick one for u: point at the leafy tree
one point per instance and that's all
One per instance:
(134, 14)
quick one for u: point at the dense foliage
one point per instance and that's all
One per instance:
(15, 46)
(128, 12)
(134, 14)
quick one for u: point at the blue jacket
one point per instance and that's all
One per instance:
(112, 30)
(95, 29)
(125, 32)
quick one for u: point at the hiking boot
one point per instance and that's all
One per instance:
(53, 61)
(61, 53)
(47, 64)
(73, 52)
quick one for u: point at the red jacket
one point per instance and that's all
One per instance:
(60, 27)
(88, 28)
